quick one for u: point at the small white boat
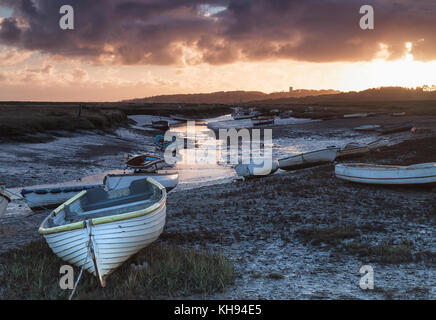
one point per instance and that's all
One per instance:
(118, 181)
(253, 170)
(160, 125)
(50, 197)
(4, 202)
(398, 114)
(394, 128)
(368, 128)
(352, 149)
(99, 230)
(145, 163)
(356, 115)
(415, 175)
(262, 120)
(309, 159)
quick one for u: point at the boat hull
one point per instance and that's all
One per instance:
(114, 242)
(255, 171)
(4, 202)
(119, 181)
(352, 151)
(50, 198)
(102, 244)
(418, 175)
(308, 160)
(395, 128)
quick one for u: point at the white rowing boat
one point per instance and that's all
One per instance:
(118, 181)
(309, 159)
(419, 174)
(379, 143)
(145, 163)
(352, 149)
(4, 202)
(368, 128)
(253, 170)
(50, 197)
(99, 230)
(356, 115)
(262, 120)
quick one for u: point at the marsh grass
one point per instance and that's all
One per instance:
(30, 121)
(33, 273)
(383, 253)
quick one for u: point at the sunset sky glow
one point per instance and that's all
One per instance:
(131, 49)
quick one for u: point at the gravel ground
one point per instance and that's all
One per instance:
(293, 235)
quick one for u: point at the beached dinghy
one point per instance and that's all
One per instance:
(377, 144)
(309, 159)
(51, 197)
(100, 229)
(262, 120)
(416, 175)
(368, 128)
(145, 163)
(4, 202)
(160, 125)
(394, 128)
(118, 181)
(351, 150)
(253, 170)
(356, 115)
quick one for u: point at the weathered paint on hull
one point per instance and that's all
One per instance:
(115, 242)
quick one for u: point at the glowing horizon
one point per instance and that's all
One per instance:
(185, 48)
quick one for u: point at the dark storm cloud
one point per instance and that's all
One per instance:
(154, 31)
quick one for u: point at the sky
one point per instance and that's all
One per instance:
(123, 49)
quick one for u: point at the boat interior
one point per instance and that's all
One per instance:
(98, 203)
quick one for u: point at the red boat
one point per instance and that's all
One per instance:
(262, 120)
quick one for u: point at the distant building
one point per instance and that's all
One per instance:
(291, 89)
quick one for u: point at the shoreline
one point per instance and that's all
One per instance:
(296, 235)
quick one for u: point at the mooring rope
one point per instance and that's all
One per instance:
(81, 270)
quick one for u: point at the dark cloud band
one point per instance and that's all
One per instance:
(157, 31)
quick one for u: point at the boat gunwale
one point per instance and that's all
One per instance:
(6, 196)
(102, 220)
(366, 166)
(311, 152)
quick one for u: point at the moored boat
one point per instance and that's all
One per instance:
(50, 197)
(415, 175)
(118, 181)
(160, 125)
(145, 163)
(4, 202)
(377, 144)
(398, 114)
(356, 115)
(352, 149)
(253, 170)
(99, 230)
(309, 159)
(262, 120)
(367, 128)
(394, 128)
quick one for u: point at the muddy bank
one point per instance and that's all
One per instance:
(302, 235)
